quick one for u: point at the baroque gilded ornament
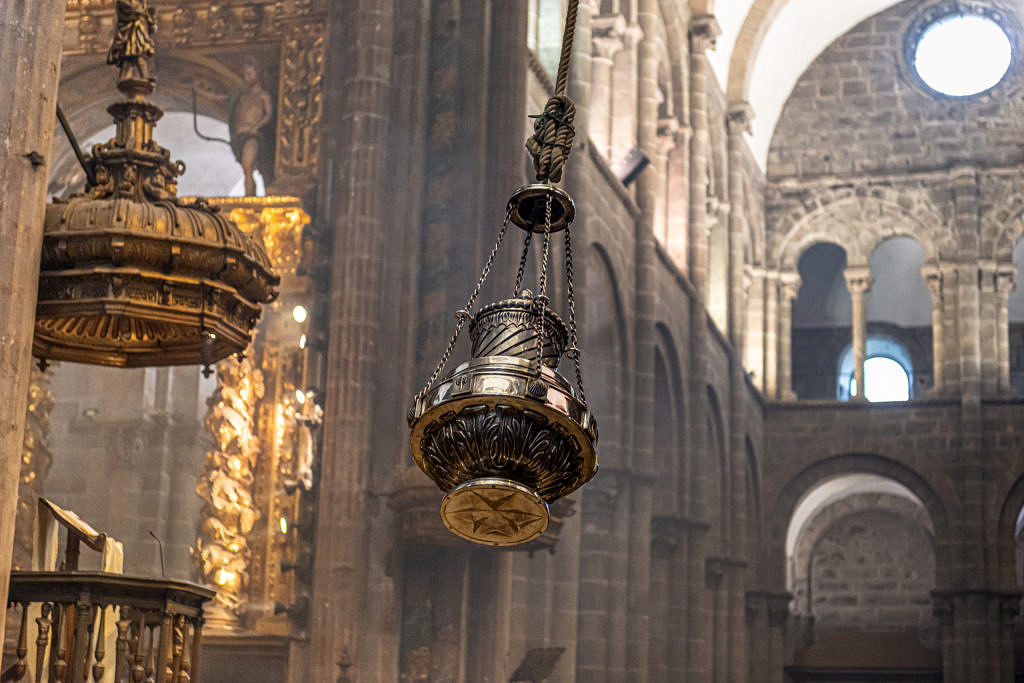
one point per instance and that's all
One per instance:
(505, 435)
(222, 551)
(131, 275)
(300, 106)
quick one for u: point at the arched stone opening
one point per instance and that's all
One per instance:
(899, 312)
(861, 565)
(821, 320)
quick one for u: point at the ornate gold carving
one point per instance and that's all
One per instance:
(194, 23)
(222, 550)
(300, 106)
(278, 422)
(277, 222)
(130, 274)
(36, 460)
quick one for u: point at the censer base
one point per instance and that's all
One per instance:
(494, 511)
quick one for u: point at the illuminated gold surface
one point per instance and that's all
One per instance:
(275, 222)
(279, 424)
(222, 552)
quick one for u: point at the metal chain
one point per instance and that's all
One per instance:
(463, 315)
(540, 300)
(522, 263)
(573, 351)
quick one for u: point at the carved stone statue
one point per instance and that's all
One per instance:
(133, 39)
(251, 112)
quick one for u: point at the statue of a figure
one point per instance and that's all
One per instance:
(133, 40)
(249, 123)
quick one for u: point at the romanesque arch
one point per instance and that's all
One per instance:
(789, 496)
(858, 222)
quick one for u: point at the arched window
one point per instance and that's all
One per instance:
(888, 371)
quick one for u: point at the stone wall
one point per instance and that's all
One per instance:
(873, 570)
(857, 109)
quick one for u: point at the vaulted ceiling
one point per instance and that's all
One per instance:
(766, 44)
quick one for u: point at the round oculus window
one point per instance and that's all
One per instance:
(962, 55)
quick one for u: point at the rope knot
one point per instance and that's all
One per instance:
(552, 138)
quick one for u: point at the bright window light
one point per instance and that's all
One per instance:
(886, 380)
(963, 55)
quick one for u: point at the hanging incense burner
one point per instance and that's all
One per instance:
(504, 434)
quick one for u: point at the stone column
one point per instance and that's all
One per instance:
(789, 285)
(933, 278)
(608, 39)
(703, 30)
(668, 139)
(30, 46)
(976, 634)
(625, 89)
(359, 94)
(989, 324)
(737, 121)
(755, 342)
(770, 385)
(767, 614)
(1006, 282)
(859, 281)
(950, 276)
(649, 186)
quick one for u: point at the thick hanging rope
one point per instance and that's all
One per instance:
(552, 130)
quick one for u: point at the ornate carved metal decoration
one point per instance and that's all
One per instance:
(222, 552)
(505, 435)
(300, 105)
(131, 275)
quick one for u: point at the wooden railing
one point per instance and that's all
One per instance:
(92, 626)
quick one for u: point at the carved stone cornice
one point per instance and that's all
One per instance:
(668, 134)
(704, 31)
(738, 118)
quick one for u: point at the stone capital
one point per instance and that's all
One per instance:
(704, 31)
(789, 284)
(932, 276)
(668, 134)
(858, 279)
(633, 35)
(1006, 278)
(738, 118)
(608, 33)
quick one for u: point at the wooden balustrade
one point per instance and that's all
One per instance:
(72, 618)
